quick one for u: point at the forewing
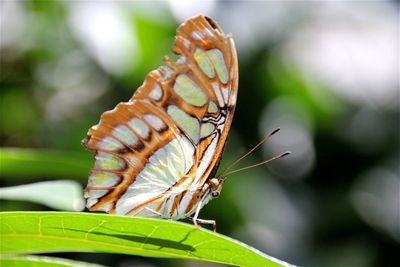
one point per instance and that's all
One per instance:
(199, 91)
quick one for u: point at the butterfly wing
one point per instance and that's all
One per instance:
(168, 139)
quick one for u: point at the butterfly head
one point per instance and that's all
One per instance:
(216, 186)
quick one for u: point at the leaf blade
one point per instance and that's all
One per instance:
(64, 195)
(42, 261)
(25, 163)
(66, 231)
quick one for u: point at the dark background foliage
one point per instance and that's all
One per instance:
(326, 73)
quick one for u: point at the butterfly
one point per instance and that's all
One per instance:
(157, 154)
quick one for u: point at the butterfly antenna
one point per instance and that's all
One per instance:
(250, 151)
(258, 164)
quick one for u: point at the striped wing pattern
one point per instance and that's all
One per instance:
(156, 153)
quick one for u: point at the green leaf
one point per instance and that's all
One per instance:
(43, 232)
(42, 261)
(59, 195)
(33, 163)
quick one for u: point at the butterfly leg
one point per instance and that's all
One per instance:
(157, 213)
(214, 224)
(196, 220)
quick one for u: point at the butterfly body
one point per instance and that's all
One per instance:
(156, 155)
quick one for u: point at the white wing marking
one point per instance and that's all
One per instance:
(162, 171)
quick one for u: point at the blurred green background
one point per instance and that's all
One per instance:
(326, 73)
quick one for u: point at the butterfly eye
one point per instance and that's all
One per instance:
(215, 187)
(215, 194)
